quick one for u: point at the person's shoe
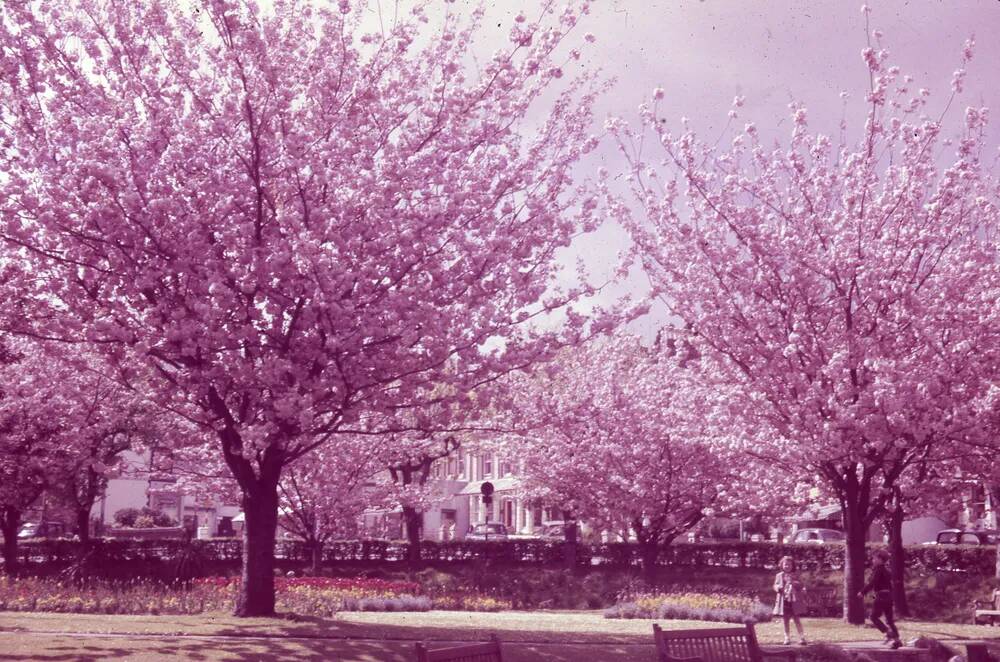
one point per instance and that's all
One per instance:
(803, 642)
(896, 643)
(786, 641)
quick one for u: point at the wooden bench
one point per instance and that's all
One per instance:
(733, 644)
(490, 652)
(987, 616)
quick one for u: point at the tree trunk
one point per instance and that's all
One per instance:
(649, 551)
(570, 543)
(260, 510)
(10, 523)
(260, 507)
(995, 506)
(413, 519)
(317, 557)
(897, 561)
(854, 556)
(83, 529)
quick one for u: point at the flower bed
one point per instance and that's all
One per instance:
(723, 607)
(315, 596)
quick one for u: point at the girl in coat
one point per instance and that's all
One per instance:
(790, 600)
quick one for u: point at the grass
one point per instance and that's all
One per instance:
(554, 636)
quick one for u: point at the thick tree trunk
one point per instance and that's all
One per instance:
(413, 520)
(83, 528)
(260, 510)
(260, 507)
(854, 558)
(897, 562)
(10, 523)
(570, 542)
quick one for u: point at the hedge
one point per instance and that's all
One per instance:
(979, 560)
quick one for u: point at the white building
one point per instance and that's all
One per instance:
(459, 480)
(138, 487)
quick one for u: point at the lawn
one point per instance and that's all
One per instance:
(383, 637)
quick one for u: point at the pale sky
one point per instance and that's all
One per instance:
(705, 52)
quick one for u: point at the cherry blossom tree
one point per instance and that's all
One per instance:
(325, 493)
(30, 426)
(409, 460)
(276, 222)
(928, 486)
(616, 437)
(106, 420)
(838, 287)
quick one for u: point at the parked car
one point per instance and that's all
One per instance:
(495, 530)
(963, 537)
(553, 531)
(818, 536)
(44, 529)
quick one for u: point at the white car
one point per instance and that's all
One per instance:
(818, 536)
(494, 530)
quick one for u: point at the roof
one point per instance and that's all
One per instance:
(499, 485)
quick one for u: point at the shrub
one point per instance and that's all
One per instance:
(144, 518)
(126, 517)
(144, 522)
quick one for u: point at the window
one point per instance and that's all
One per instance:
(505, 469)
(487, 466)
(969, 539)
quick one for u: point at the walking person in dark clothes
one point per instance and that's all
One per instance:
(881, 583)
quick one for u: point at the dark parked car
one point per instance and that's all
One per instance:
(963, 537)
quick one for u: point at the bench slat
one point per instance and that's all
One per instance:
(709, 644)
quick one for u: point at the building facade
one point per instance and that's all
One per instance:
(458, 480)
(137, 486)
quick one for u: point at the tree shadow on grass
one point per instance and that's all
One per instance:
(213, 649)
(392, 642)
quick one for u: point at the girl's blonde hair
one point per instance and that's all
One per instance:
(787, 558)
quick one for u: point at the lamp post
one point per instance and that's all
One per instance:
(487, 491)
